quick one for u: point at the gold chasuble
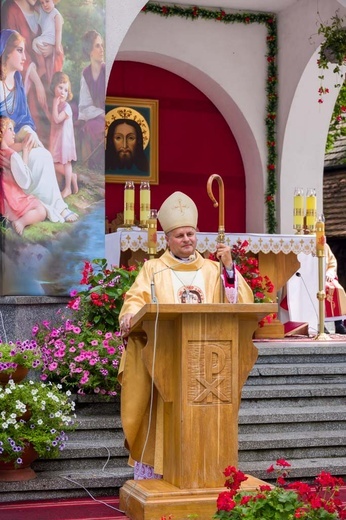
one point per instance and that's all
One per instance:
(165, 280)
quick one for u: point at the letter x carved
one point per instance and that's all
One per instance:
(209, 372)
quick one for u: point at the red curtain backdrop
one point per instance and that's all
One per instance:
(194, 143)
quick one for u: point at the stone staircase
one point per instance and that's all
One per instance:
(293, 407)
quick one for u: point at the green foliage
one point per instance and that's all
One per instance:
(100, 303)
(25, 353)
(80, 357)
(333, 48)
(337, 126)
(35, 413)
(285, 501)
(83, 351)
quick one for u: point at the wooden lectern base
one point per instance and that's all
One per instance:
(152, 499)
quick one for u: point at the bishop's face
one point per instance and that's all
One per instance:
(182, 241)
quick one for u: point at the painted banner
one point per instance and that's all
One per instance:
(52, 108)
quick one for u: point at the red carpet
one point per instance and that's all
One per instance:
(73, 509)
(59, 509)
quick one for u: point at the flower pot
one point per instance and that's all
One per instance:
(330, 55)
(9, 472)
(17, 376)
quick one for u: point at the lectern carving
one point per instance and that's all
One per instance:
(204, 354)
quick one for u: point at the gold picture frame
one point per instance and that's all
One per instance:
(132, 153)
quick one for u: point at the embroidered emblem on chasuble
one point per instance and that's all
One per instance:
(188, 286)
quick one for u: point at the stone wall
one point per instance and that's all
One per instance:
(18, 314)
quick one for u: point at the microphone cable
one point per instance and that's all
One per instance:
(299, 275)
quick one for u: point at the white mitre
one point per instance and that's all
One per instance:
(178, 210)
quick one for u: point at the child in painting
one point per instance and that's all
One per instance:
(18, 207)
(50, 22)
(62, 142)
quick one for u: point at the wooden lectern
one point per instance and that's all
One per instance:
(204, 354)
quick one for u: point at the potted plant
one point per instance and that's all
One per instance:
(35, 415)
(333, 48)
(284, 501)
(80, 357)
(332, 51)
(83, 350)
(100, 302)
(17, 358)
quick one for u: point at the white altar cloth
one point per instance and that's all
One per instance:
(136, 239)
(301, 290)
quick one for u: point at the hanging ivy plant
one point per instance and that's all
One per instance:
(269, 20)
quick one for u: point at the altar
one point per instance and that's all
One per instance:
(280, 258)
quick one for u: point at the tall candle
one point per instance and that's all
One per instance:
(298, 209)
(320, 237)
(144, 203)
(129, 203)
(152, 232)
(311, 206)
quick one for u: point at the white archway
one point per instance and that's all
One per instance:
(235, 119)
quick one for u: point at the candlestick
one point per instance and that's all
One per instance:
(144, 195)
(298, 209)
(321, 295)
(129, 203)
(152, 232)
(320, 237)
(311, 209)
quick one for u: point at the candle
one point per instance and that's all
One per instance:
(298, 209)
(311, 209)
(320, 237)
(144, 203)
(152, 232)
(129, 203)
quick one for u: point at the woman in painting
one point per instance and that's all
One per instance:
(91, 109)
(124, 147)
(13, 104)
(21, 16)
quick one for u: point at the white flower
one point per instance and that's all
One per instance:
(39, 422)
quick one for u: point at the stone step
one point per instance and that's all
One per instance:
(65, 484)
(297, 369)
(317, 378)
(292, 414)
(293, 406)
(304, 469)
(291, 439)
(290, 393)
(292, 445)
(87, 454)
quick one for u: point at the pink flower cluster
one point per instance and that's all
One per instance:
(80, 357)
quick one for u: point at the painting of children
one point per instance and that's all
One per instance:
(62, 141)
(50, 21)
(15, 205)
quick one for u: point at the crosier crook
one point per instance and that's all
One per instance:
(221, 205)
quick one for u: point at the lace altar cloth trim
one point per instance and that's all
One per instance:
(137, 240)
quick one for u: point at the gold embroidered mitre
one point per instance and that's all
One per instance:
(178, 210)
